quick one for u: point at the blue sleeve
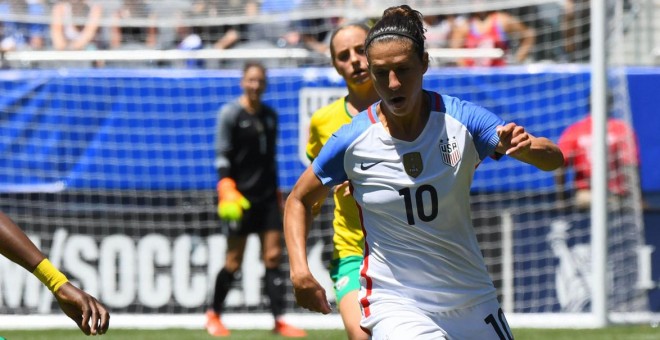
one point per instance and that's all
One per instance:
(479, 121)
(329, 164)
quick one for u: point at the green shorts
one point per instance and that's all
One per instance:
(345, 273)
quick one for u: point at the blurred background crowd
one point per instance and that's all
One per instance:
(527, 31)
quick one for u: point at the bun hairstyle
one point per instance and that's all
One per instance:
(399, 22)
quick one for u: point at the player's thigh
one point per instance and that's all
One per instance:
(485, 321)
(390, 321)
(349, 309)
(262, 216)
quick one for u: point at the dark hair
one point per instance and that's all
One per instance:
(250, 64)
(397, 22)
(359, 25)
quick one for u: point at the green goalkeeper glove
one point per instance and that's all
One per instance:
(231, 203)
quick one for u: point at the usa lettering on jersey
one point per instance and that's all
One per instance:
(451, 153)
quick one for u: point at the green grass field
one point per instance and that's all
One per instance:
(611, 333)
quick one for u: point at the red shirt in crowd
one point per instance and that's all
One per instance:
(575, 142)
(493, 36)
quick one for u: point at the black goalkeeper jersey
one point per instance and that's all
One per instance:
(245, 150)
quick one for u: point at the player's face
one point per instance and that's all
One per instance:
(349, 59)
(397, 72)
(254, 83)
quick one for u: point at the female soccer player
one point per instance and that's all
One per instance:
(248, 196)
(349, 60)
(410, 159)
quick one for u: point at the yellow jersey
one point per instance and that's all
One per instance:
(348, 237)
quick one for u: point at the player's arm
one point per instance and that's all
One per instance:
(521, 145)
(90, 29)
(231, 202)
(16, 246)
(297, 222)
(81, 307)
(57, 27)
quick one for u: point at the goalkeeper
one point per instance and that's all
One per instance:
(248, 195)
(88, 313)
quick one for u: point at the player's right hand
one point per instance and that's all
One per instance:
(231, 203)
(88, 313)
(310, 294)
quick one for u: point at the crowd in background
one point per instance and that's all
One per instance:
(550, 32)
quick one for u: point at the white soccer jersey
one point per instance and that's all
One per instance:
(414, 201)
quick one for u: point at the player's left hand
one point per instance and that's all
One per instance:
(514, 140)
(231, 203)
(88, 313)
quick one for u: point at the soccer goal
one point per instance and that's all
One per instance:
(106, 160)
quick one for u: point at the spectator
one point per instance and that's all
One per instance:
(545, 19)
(576, 27)
(623, 160)
(75, 24)
(17, 35)
(439, 29)
(190, 40)
(494, 29)
(88, 313)
(222, 36)
(313, 33)
(135, 35)
(282, 31)
(248, 195)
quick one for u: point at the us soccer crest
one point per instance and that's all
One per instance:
(451, 153)
(412, 163)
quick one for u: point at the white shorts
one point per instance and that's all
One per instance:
(397, 321)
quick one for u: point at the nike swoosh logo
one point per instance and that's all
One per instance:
(364, 167)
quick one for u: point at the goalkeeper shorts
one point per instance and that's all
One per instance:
(262, 216)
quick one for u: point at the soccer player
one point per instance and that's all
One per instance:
(410, 159)
(88, 313)
(248, 195)
(349, 60)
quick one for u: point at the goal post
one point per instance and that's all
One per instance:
(110, 172)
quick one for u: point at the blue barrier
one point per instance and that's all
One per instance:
(131, 129)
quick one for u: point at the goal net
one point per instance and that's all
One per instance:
(106, 157)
